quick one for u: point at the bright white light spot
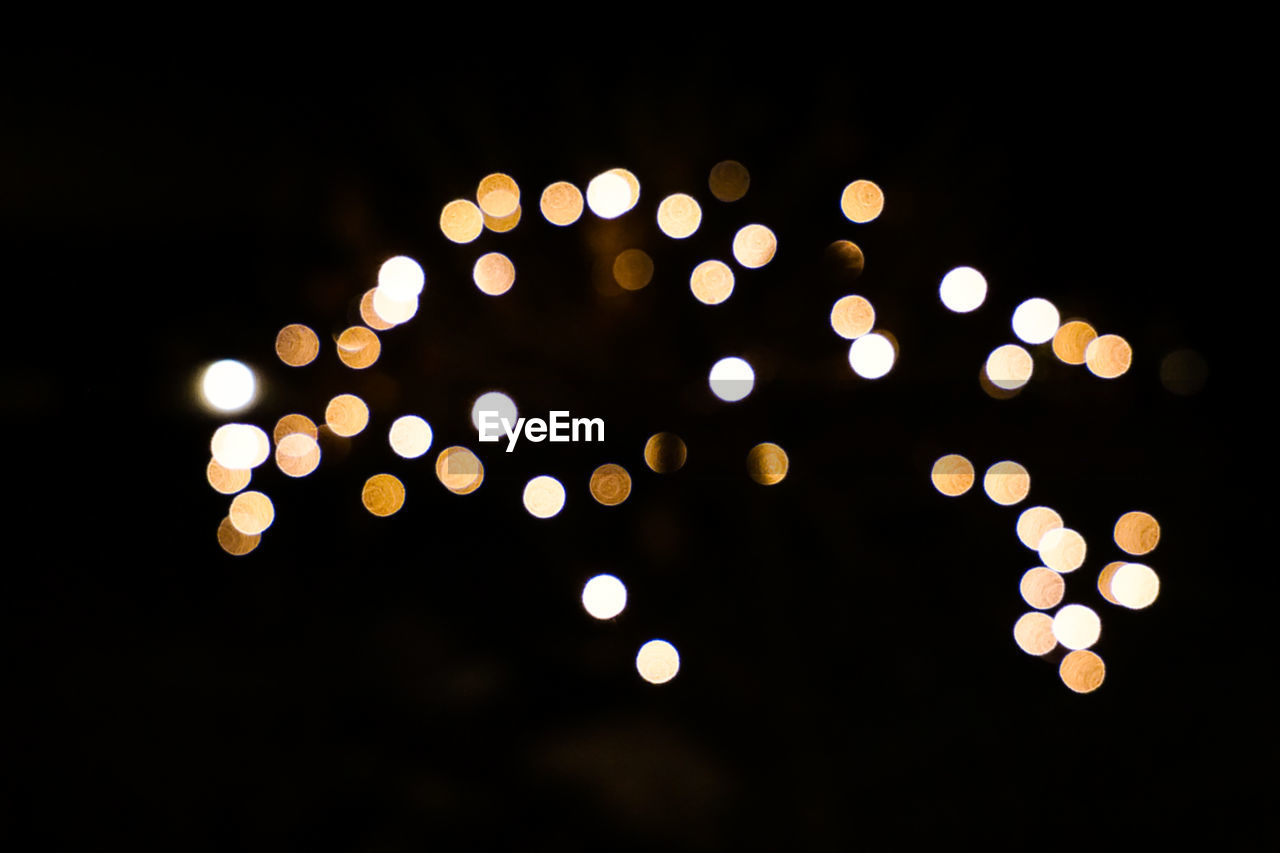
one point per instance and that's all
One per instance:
(1062, 549)
(228, 385)
(1009, 367)
(609, 195)
(732, 379)
(1035, 321)
(240, 446)
(543, 496)
(1076, 626)
(658, 662)
(410, 436)
(494, 401)
(1135, 585)
(963, 289)
(871, 356)
(391, 310)
(604, 596)
(401, 278)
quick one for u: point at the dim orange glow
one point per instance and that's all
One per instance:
(1108, 356)
(561, 203)
(1042, 588)
(767, 464)
(504, 224)
(382, 495)
(1033, 632)
(1082, 670)
(1183, 372)
(852, 317)
(679, 216)
(498, 195)
(459, 470)
(953, 475)
(226, 481)
(297, 454)
(658, 662)
(297, 345)
(461, 221)
(632, 269)
(665, 453)
(346, 415)
(711, 282)
(251, 513)
(1104, 580)
(729, 180)
(991, 389)
(544, 497)
(846, 257)
(1071, 340)
(610, 484)
(1137, 532)
(234, 542)
(1034, 523)
(1007, 483)
(754, 246)
(609, 195)
(494, 274)
(1009, 367)
(862, 201)
(369, 315)
(359, 347)
(290, 424)
(1062, 549)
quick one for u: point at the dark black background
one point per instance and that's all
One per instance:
(848, 670)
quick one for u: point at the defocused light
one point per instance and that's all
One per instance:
(711, 282)
(658, 661)
(1135, 586)
(233, 541)
(1108, 356)
(297, 454)
(604, 596)
(228, 385)
(225, 480)
(382, 495)
(952, 475)
(494, 401)
(251, 513)
(852, 317)
(461, 221)
(731, 379)
(392, 311)
(359, 347)
(297, 345)
(963, 289)
(1006, 483)
(608, 195)
(1035, 321)
(1071, 340)
(1062, 549)
(679, 215)
(290, 424)
(498, 195)
(1137, 532)
(845, 256)
(401, 278)
(1033, 632)
(346, 415)
(1082, 671)
(633, 186)
(1009, 366)
(1104, 580)
(862, 201)
(543, 496)
(871, 356)
(369, 315)
(991, 389)
(1042, 588)
(665, 452)
(754, 246)
(1076, 626)
(459, 470)
(729, 180)
(494, 274)
(610, 484)
(767, 464)
(1183, 372)
(1034, 523)
(410, 436)
(240, 446)
(504, 224)
(632, 269)
(561, 203)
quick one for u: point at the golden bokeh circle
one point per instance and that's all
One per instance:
(461, 221)
(711, 282)
(665, 452)
(754, 246)
(346, 415)
(767, 464)
(498, 195)
(679, 216)
(862, 201)
(382, 495)
(1042, 587)
(1137, 532)
(561, 203)
(297, 454)
(290, 424)
(1009, 367)
(370, 315)
(1007, 483)
(501, 225)
(494, 273)
(632, 269)
(251, 513)
(1071, 340)
(852, 316)
(610, 484)
(359, 347)
(1034, 523)
(459, 470)
(226, 480)
(297, 345)
(391, 310)
(846, 256)
(1033, 632)
(1108, 356)
(1082, 670)
(953, 475)
(234, 542)
(1104, 580)
(729, 180)
(1062, 549)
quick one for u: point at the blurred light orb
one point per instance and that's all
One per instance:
(1007, 483)
(544, 496)
(382, 495)
(608, 195)
(845, 258)
(410, 436)
(665, 453)
(1183, 372)
(297, 345)
(610, 484)
(228, 385)
(679, 216)
(1071, 340)
(1035, 321)
(1009, 367)
(494, 401)
(359, 347)
(633, 269)
(1034, 523)
(604, 597)
(754, 246)
(234, 542)
(1108, 356)
(461, 221)
(767, 464)
(226, 481)
(952, 475)
(1137, 533)
(494, 274)
(658, 662)
(862, 201)
(297, 454)
(561, 203)
(346, 415)
(1042, 587)
(251, 513)
(871, 356)
(503, 224)
(711, 282)
(852, 317)
(289, 424)
(459, 470)
(401, 278)
(1082, 670)
(1076, 626)
(1135, 586)
(370, 316)
(498, 195)
(1062, 549)
(392, 312)
(1033, 632)
(240, 446)
(729, 180)
(963, 289)
(731, 379)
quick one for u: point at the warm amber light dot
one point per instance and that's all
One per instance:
(665, 452)
(729, 180)
(1033, 633)
(382, 495)
(754, 246)
(767, 464)
(852, 317)
(346, 415)
(410, 436)
(953, 475)
(234, 542)
(461, 221)
(1042, 588)
(369, 315)
(1062, 549)
(359, 347)
(1082, 670)
(1007, 483)
(861, 201)
(297, 345)
(297, 454)
(1108, 356)
(1104, 580)
(290, 424)
(632, 269)
(679, 216)
(1034, 523)
(504, 224)
(251, 512)
(1137, 532)
(498, 195)
(1071, 340)
(711, 282)
(610, 484)
(494, 274)
(561, 203)
(225, 480)
(1009, 367)
(459, 470)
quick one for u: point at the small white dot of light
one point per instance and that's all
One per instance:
(658, 662)
(732, 379)
(604, 596)
(494, 401)
(1076, 626)
(608, 195)
(963, 289)
(1035, 321)
(410, 436)
(871, 356)
(401, 278)
(228, 385)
